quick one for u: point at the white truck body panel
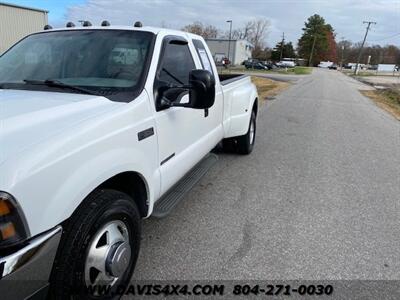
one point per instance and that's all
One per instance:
(236, 113)
(50, 177)
(56, 148)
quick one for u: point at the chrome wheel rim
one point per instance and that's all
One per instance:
(108, 254)
(252, 131)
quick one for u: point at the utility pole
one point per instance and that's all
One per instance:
(342, 56)
(362, 45)
(312, 50)
(230, 36)
(282, 45)
(341, 62)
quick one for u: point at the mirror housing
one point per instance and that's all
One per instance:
(202, 89)
(201, 92)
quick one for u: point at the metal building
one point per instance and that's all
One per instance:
(18, 21)
(239, 50)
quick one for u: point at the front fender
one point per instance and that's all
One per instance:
(95, 172)
(57, 199)
(53, 178)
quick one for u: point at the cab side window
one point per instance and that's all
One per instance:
(176, 64)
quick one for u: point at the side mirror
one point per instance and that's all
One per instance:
(201, 92)
(202, 89)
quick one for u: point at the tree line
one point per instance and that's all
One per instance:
(317, 43)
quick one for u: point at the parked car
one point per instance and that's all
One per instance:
(286, 64)
(269, 65)
(325, 64)
(93, 141)
(255, 65)
(333, 67)
(225, 62)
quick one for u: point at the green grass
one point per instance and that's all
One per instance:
(392, 95)
(294, 71)
(302, 70)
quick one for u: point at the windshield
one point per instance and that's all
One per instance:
(112, 63)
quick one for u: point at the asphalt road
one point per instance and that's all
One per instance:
(317, 199)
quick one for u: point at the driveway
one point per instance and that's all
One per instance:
(317, 199)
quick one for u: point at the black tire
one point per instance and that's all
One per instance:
(229, 145)
(245, 143)
(100, 208)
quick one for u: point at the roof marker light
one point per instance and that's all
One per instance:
(105, 23)
(70, 24)
(138, 24)
(86, 24)
(47, 27)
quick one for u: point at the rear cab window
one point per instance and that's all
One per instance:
(203, 56)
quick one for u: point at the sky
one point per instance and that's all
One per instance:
(288, 16)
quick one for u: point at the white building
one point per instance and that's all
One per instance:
(18, 21)
(240, 50)
(386, 68)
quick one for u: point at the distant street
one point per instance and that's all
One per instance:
(319, 198)
(277, 76)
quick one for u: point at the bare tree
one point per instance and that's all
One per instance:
(210, 32)
(259, 32)
(242, 33)
(254, 31)
(206, 31)
(196, 28)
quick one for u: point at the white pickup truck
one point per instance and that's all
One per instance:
(99, 128)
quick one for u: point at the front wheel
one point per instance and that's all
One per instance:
(98, 249)
(245, 143)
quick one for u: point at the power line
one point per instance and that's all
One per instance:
(388, 37)
(362, 45)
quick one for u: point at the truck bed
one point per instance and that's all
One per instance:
(228, 78)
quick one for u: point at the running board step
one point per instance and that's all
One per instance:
(167, 202)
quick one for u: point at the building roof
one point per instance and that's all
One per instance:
(23, 7)
(226, 40)
(220, 39)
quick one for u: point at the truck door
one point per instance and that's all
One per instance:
(185, 135)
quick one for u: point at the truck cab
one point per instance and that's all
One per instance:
(101, 127)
